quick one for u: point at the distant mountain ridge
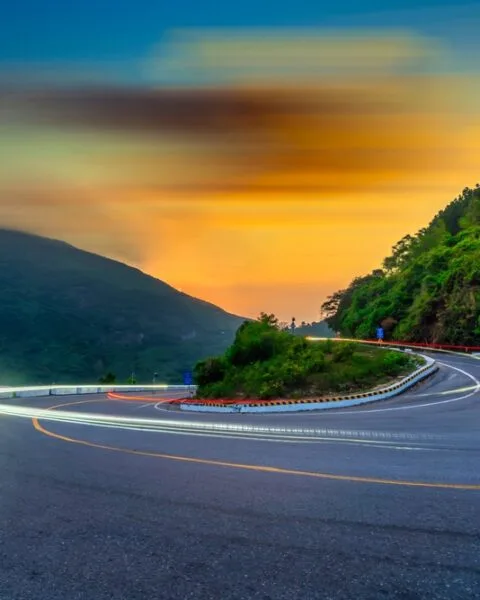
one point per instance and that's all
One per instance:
(68, 315)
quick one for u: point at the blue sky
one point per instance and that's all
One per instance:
(110, 30)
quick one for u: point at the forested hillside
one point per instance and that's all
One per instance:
(428, 290)
(72, 316)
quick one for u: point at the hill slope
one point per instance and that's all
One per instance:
(68, 315)
(428, 289)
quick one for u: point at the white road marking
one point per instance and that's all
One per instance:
(467, 388)
(144, 405)
(157, 406)
(426, 404)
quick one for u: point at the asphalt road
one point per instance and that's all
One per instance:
(126, 499)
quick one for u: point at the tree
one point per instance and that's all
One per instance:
(332, 304)
(268, 319)
(255, 341)
(388, 324)
(210, 370)
(400, 253)
(108, 378)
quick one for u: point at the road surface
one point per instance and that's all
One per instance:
(375, 502)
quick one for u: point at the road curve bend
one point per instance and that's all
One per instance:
(126, 498)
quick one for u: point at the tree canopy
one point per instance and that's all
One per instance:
(429, 287)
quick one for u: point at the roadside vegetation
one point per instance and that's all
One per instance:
(266, 362)
(428, 290)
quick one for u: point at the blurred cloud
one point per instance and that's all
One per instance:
(264, 55)
(249, 139)
(263, 165)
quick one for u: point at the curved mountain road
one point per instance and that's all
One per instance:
(103, 498)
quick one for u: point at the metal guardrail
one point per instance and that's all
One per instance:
(65, 390)
(449, 348)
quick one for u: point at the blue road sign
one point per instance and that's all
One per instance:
(188, 378)
(380, 333)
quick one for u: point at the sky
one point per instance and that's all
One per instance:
(258, 155)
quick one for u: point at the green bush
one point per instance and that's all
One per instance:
(108, 378)
(395, 362)
(343, 351)
(315, 363)
(209, 370)
(270, 390)
(258, 341)
(328, 346)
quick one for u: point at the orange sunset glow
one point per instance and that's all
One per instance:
(254, 193)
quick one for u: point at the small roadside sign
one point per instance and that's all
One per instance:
(188, 378)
